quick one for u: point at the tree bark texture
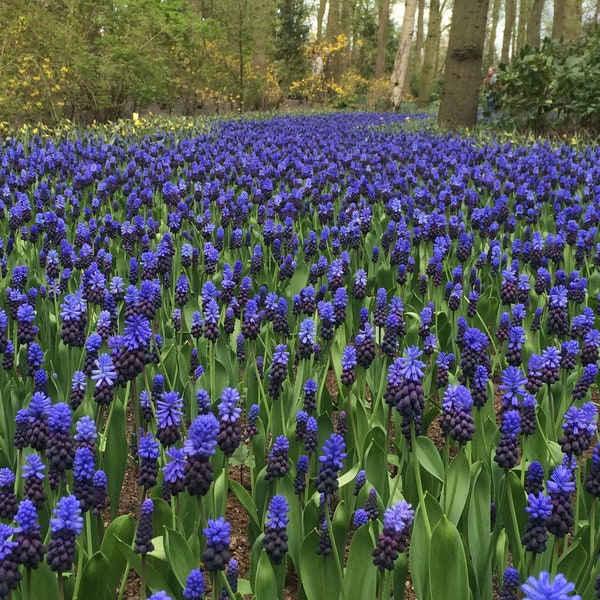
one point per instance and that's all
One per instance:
(534, 35)
(523, 23)
(384, 18)
(462, 77)
(567, 20)
(431, 41)
(490, 55)
(510, 14)
(402, 62)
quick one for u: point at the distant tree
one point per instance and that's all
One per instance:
(402, 62)
(431, 42)
(291, 39)
(566, 24)
(382, 28)
(534, 38)
(462, 77)
(510, 15)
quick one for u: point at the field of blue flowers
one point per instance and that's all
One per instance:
(391, 332)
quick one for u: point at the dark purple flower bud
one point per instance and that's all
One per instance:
(144, 532)
(278, 463)
(194, 585)
(397, 521)
(168, 417)
(65, 526)
(331, 461)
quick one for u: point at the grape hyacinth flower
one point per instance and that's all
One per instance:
(78, 385)
(83, 477)
(21, 435)
(512, 387)
(510, 584)
(60, 451)
(310, 395)
(144, 531)
(216, 555)
(230, 433)
(569, 351)
(560, 486)
(534, 480)
(534, 374)
(349, 363)
(231, 575)
(589, 349)
(456, 419)
(278, 463)
(174, 473)
(473, 353)
(39, 428)
(444, 363)
(301, 418)
(507, 451)
(194, 585)
(8, 498)
(365, 345)
(397, 521)
(307, 339)
(92, 347)
(279, 370)
(168, 418)
(479, 386)
(100, 489)
(539, 509)
(199, 447)
(583, 385)
(275, 538)
(331, 462)
(9, 567)
(516, 339)
(301, 471)
(542, 588)
(252, 422)
(29, 550)
(558, 317)
(528, 415)
(33, 473)
(580, 425)
(148, 453)
(310, 440)
(65, 526)
(105, 375)
(86, 433)
(361, 479)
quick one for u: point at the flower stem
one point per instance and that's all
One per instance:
(336, 555)
(61, 586)
(413, 441)
(143, 578)
(513, 518)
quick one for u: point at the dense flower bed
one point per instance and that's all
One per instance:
(393, 332)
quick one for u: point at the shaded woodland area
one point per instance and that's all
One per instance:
(100, 60)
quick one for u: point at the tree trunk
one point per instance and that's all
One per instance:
(510, 14)
(462, 78)
(333, 64)
(384, 18)
(320, 17)
(402, 62)
(524, 23)
(534, 36)
(346, 19)
(427, 72)
(567, 20)
(418, 54)
(490, 55)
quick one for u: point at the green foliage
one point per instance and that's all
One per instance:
(557, 86)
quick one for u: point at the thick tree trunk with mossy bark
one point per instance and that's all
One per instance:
(462, 77)
(431, 42)
(523, 23)
(402, 62)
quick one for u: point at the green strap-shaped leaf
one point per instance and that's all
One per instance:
(180, 556)
(360, 576)
(154, 580)
(94, 584)
(115, 457)
(456, 487)
(448, 575)
(122, 527)
(317, 573)
(429, 457)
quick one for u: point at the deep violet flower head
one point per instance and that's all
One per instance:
(194, 585)
(26, 517)
(149, 447)
(457, 397)
(83, 465)
(67, 515)
(137, 332)
(202, 436)
(60, 417)
(277, 514)
(229, 411)
(39, 406)
(307, 332)
(561, 481)
(86, 431)
(174, 470)
(216, 555)
(398, 517)
(105, 372)
(539, 506)
(512, 386)
(543, 588)
(511, 422)
(169, 409)
(411, 368)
